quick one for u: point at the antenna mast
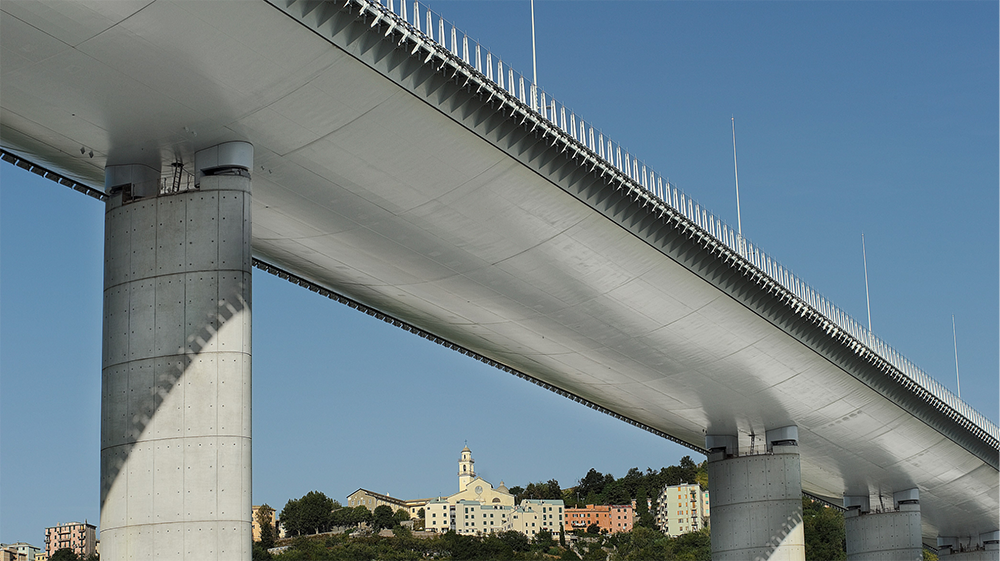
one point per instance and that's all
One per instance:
(739, 221)
(868, 301)
(534, 69)
(955, 339)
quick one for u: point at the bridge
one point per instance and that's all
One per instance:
(399, 167)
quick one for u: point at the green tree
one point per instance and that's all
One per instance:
(693, 546)
(266, 528)
(593, 482)
(422, 514)
(461, 547)
(641, 544)
(616, 494)
(259, 553)
(689, 469)
(311, 514)
(401, 532)
(594, 529)
(382, 517)
(552, 490)
(824, 532)
(400, 516)
(702, 476)
(593, 550)
(516, 541)
(544, 539)
(341, 517)
(569, 555)
(64, 554)
(644, 517)
(632, 481)
(360, 515)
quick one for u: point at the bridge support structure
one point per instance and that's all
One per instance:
(956, 548)
(890, 535)
(756, 499)
(175, 395)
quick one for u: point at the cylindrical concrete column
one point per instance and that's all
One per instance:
(175, 419)
(756, 500)
(969, 548)
(892, 535)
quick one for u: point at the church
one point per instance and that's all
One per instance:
(476, 508)
(471, 487)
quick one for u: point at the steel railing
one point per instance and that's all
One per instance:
(441, 38)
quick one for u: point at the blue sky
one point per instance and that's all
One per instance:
(851, 117)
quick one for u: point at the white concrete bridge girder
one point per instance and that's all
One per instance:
(176, 392)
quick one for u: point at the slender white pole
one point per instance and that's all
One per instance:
(534, 68)
(736, 172)
(868, 301)
(955, 338)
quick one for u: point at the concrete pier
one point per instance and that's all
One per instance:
(175, 419)
(969, 548)
(757, 499)
(891, 535)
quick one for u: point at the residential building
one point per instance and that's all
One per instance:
(682, 508)
(255, 523)
(19, 551)
(372, 500)
(439, 515)
(535, 515)
(469, 517)
(611, 519)
(80, 537)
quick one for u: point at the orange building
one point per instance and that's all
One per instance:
(611, 519)
(81, 538)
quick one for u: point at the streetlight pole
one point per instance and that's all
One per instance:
(534, 68)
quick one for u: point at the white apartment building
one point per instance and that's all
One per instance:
(534, 515)
(682, 508)
(465, 517)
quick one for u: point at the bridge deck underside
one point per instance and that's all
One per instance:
(366, 183)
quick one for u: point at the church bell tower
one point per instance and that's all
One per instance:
(466, 469)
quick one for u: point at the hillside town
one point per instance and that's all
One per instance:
(599, 506)
(478, 508)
